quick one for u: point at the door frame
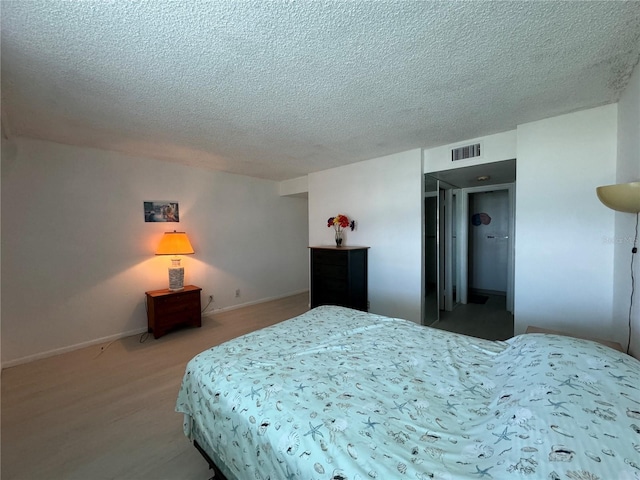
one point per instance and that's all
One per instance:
(445, 247)
(431, 194)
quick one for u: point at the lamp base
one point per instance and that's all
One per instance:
(176, 279)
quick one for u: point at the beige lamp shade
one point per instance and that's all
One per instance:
(624, 197)
(174, 243)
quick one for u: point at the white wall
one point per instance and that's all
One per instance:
(384, 196)
(628, 170)
(77, 255)
(295, 186)
(563, 266)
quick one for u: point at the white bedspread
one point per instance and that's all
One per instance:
(342, 394)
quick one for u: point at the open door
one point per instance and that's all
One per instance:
(431, 309)
(446, 250)
(439, 248)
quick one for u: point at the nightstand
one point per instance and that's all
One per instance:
(614, 345)
(167, 310)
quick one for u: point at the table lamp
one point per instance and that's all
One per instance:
(175, 243)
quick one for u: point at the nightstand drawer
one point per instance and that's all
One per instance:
(172, 308)
(178, 299)
(168, 310)
(176, 311)
(166, 322)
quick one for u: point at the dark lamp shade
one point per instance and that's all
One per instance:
(174, 243)
(624, 197)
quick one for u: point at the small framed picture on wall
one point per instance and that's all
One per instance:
(161, 211)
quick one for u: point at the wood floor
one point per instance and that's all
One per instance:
(108, 411)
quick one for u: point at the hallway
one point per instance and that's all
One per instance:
(490, 321)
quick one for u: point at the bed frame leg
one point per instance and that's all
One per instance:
(217, 474)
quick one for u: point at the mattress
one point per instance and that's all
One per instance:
(342, 394)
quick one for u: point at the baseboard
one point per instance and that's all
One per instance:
(118, 336)
(71, 348)
(209, 313)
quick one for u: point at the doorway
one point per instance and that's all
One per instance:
(469, 238)
(488, 244)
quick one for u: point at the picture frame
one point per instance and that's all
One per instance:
(161, 211)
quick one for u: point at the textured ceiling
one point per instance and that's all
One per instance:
(278, 89)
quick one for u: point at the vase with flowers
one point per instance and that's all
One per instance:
(339, 223)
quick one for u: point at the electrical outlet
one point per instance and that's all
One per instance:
(211, 298)
(237, 293)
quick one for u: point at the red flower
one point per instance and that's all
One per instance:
(339, 222)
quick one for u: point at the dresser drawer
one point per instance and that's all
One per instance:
(332, 271)
(329, 257)
(331, 284)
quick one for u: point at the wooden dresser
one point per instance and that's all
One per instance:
(167, 310)
(339, 276)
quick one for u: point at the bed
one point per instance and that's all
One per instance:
(342, 394)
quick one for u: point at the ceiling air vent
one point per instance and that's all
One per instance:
(464, 152)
